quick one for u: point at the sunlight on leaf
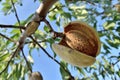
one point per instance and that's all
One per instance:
(108, 25)
(30, 59)
(79, 11)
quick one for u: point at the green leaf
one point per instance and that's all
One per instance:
(27, 20)
(39, 34)
(114, 43)
(118, 73)
(30, 59)
(109, 25)
(67, 15)
(81, 71)
(103, 74)
(79, 12)
(47, 29)
(6, 7)
(106, 48)
(64, 74)
(118, 29)
(52, 16)
(4, 57)
(96, 76)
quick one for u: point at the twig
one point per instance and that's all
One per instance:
(12, 26)
(116, 62)
(15, 12)
(56, 34)
(51, 56)
(26, 61)
(51, 29)
(8, 38)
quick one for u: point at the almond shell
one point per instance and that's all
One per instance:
(72, 56)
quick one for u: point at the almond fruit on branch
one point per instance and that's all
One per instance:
(35, 76)
(79, 46)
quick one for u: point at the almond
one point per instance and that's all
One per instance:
(79, 46)
(81, 42)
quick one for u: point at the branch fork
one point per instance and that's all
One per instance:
(31, 27)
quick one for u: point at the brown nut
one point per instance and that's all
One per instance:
(79, 46)
(83, 32)
(35, 76)
(79, 41)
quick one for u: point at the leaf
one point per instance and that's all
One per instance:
(103, 74)
(15, 36)
(6, 7)
(30, 59)
(47, 29)
(109, 25)
(64, 74)
(17, 72)
(96, 76)
(118, 73)
(52, 49)
(105, 46)
(114, 43)
(118, 29)
(4, 57)
(52, 16)
(79, 11)
(39, 34)
(81, 71)
(26, 20)
(66, 15)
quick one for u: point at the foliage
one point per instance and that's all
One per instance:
(98, 13)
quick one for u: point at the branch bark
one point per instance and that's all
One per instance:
(44, 7)
(11, 26)
(40, 14)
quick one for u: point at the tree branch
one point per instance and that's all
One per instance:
(56, 34)
(15, 12)
(37, 41)
(40, 14)
(44, 7)
(28, 65)
(8, 38)
(31, 27)
(48, 24)
(12, 26)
